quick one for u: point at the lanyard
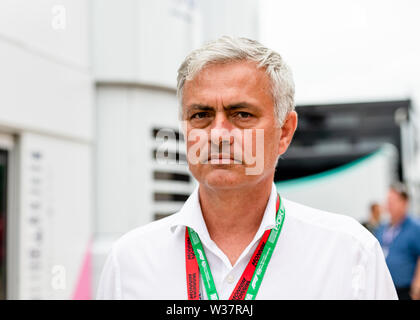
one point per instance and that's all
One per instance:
(250, 281)
(388, 237)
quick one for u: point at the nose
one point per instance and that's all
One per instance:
(220, 130)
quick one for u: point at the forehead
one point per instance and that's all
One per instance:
(394, 194)
(233, 80)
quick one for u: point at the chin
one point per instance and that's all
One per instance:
(220, 178)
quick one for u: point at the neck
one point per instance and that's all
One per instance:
(397, 221)
(233, 216)
(374, 221)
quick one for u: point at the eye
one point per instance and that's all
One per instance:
(200, 115)
(243, 115)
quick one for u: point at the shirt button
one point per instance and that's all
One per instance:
(230, 279)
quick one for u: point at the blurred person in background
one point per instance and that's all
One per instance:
(400, 241)
(374, 217)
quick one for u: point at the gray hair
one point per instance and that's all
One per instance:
(229, 49)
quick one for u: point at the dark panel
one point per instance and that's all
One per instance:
(3, 222)
(291, 168)
(161, 196)
(344, 133)
(171, 176)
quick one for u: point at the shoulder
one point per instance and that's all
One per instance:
(152, 235)
(382, 226)
(328, 225)
(380, 229)
(413, 222)
(413, 228)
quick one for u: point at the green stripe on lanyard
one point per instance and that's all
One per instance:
(259, 273)
(203, 265)
(262, 264)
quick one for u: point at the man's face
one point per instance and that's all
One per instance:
(376, 212)
(233, 137)
(396, 205)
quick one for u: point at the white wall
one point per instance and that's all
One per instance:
(350, 50)
(45, 78)
(234, 17)
(34, 25)
(142, 41)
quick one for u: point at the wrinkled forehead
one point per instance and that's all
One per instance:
(242, 77)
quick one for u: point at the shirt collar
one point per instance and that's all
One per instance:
(191, 215)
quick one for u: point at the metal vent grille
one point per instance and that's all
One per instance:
(172, 182)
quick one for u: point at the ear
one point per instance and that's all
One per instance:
(287, 131)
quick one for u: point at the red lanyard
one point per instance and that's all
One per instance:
(193, 272)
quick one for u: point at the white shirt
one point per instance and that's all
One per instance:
(319, 255)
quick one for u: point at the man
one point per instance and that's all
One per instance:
(374, 218)
(400, 240)
(235, 237)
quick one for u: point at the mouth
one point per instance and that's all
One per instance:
(222, 159)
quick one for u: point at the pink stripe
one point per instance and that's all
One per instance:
(83, 288)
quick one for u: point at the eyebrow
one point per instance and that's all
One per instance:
(201, 107)
(233, 106)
